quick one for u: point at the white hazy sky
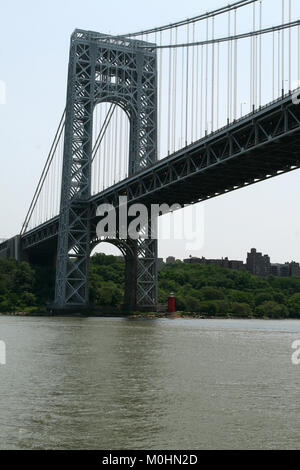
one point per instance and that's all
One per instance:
(34, 47)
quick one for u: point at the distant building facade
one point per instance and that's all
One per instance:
(223, 263)
(294, 269)
(258, 264)
(286, 270)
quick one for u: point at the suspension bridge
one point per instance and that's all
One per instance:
(180, 113)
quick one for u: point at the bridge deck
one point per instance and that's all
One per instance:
(259, 146)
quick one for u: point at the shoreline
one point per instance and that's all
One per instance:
(142, 316)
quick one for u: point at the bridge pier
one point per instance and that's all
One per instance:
(130, 303)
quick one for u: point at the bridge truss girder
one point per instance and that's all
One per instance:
(260, 146)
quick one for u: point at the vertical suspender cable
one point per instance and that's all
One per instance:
(197, 93)
(290, 46)
(175, 92)
(182, 99)
(169, 93)
(122, 147)
(106, 155)
(228, 75)
(213, 77)
(115, 131)
(260, 55)
(108, 183)
(201, 92)
(126, 146)
(282, 46)
(46, 192)
(298, 78)
(187, 86)
(218, 85)
(206, 82)
(100, 160)
(94, 163)
(94, 140)
(273, 67)
(104, 161)
(112, 152)
(116, 145)
(53, 185)
(251, 74)
(279, 67)
(193, 86)
(51, 176)
(254, 60)
(235, 70)
(58, 172)
(56, 177)
(230, 80)
(160, 97)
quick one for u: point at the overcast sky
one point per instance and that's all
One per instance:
(34, 47)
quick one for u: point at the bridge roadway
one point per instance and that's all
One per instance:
(261, 145)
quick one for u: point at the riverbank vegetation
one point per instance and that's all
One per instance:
(207, 291)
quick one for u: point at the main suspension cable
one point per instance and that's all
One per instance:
(250, 34)
(203, 16)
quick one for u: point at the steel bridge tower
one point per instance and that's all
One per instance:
(122, 71)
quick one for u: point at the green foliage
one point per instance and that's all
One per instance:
(107, 293)
(241, 310)
(272, 310)
(191, 304)
(263, 296)
(215, 291)
(294, 306)
(107, 279)
(16, 285)
(211, 293)
(206, 290)
(209, 308)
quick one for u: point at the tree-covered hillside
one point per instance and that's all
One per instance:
(216, 291)
(206, 290)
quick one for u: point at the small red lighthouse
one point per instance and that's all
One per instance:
(171, 303)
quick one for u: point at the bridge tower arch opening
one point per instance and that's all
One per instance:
(122, 72)
(111, 137)
(127, 251)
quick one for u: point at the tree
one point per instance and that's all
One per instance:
(209, 308)
(241, 310)
(272, 309)
(192, 305)
(294, 305)
(107, 294)
(263, 296)
(211, 293)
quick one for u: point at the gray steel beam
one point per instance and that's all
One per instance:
(102, 68)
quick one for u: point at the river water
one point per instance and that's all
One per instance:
(93, 383)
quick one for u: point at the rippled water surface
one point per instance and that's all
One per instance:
(76, 383)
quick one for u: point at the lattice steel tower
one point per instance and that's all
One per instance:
(104, 68)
